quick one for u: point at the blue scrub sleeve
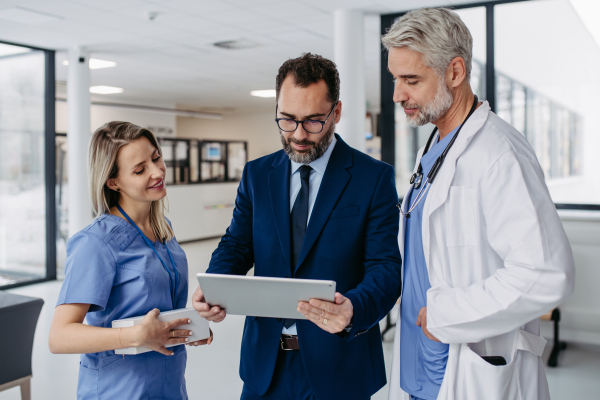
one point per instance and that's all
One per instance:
(90, 270)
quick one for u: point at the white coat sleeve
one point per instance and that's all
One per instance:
(523, 228)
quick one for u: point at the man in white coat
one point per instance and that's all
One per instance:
(485, 254)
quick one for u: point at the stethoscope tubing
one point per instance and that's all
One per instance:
(436, 166)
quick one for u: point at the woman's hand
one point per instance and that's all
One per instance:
(202, 342)
(155, 334)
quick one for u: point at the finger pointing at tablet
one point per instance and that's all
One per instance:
(213, 314)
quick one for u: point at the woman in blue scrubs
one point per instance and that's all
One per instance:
(126, 263)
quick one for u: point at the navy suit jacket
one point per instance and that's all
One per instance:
(351, 238)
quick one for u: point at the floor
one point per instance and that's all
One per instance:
(212, 371)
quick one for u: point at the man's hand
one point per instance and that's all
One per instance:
(331, 317)
(422, 322)
(214, 314)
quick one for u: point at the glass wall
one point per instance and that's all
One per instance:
(23, 233)
(546, 63)
(547, 81)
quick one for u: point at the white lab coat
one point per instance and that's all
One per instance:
(498, 258)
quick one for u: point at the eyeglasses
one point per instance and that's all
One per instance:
(309, 125)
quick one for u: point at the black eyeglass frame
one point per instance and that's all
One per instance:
(306, 120)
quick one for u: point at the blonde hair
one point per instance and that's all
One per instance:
(104, 149)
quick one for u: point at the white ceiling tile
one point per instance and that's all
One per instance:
(110, 5)
(240, 19)
(27, 16)
(172, 59)
(289, 11)
(201, 8)
(190, 23)
(332, 5)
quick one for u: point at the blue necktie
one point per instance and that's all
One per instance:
(299, 220)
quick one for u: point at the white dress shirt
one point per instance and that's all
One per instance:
(314, 182)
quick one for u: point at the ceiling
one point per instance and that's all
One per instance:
(171, 60)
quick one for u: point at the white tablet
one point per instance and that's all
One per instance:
(259, 296)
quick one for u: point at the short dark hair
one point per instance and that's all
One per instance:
(308, 69)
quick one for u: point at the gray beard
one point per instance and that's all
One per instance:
(433, 111)
(314, 153)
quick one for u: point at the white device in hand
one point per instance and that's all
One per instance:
(260, 296)
(199, 327)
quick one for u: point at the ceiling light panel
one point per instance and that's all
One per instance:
(97, 64)
(105, 89)
(263, 93)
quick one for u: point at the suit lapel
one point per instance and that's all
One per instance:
(279, 189)
(332, 186)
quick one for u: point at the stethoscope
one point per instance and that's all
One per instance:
(173, 281)
(417, 178)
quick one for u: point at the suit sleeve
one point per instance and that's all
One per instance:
(523, 228)
(375, 296)
(235, 254)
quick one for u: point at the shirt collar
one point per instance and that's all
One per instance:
(320, 164)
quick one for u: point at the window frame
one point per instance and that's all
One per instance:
(387, 117)
(49, 163)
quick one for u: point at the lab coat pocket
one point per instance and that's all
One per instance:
(462, 217)
(477, 379)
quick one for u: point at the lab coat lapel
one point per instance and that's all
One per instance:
(438, 193)
(332, 186)
(279, 189)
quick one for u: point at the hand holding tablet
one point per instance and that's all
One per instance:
(257, 296)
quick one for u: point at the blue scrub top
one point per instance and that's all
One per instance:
(422, 361)
(110, 267)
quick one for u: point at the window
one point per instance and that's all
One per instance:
(546, 85)
(543, 82)
(27, 247)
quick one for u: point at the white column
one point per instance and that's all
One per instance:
(349, 55)
(78, 136)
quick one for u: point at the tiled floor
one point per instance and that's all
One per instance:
(212, 371)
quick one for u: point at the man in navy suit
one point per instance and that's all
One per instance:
(318, 209)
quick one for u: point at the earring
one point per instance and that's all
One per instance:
(118, 189)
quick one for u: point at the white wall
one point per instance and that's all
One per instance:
(581, 313)
(201, 211)
(102, 114)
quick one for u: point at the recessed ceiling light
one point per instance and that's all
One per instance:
(263, 93)
(97, 64)
(105, 89)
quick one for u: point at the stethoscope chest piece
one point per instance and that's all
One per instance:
(416, 179)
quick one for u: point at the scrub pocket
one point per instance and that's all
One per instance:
(87, 384)
(477, 379)
(126, 378)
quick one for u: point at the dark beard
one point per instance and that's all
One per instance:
(315, 152)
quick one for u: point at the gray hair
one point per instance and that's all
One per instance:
(437, 33)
